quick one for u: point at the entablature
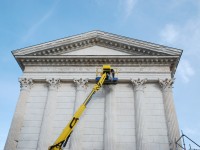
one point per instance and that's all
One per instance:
(171, 61)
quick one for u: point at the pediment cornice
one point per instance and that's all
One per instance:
(98, 38)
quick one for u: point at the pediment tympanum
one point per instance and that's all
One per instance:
(97, 50)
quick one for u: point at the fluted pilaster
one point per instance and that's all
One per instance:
(109, 141)
(170, 113)
(139, 112)
(17, 121)
(45, 138)
(80, 97)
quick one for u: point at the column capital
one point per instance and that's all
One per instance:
(138, 83)
(53, 83)
(81, 83)
(25, 83)
(167, 83)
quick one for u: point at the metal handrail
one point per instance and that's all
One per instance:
(184, 147)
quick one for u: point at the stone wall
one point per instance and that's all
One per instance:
(128, 115)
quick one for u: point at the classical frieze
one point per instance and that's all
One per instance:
(71, 69)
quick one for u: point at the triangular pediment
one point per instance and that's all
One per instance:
(88, 41)
(95, 48)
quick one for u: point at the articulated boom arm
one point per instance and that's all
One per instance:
(64, 136)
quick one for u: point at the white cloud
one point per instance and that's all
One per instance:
(37, 24)
(99, 2)
(169, 34)
(192, 131)
(185, 70)
(177, 3)
(184, 36)
(127, 6)
(187, 37)
(3, 136)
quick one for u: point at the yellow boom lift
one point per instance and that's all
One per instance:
(108, 77)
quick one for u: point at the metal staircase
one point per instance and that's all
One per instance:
(189, 140)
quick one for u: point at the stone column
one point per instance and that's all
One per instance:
(76, 136)
(45, 138)
(139, 112)
(109, 125)
(17, 121)
(170, 113)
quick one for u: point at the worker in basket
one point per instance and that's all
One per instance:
(111, 75)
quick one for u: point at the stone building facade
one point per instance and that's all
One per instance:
(137, 113)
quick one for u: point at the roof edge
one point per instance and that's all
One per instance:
(93, 34)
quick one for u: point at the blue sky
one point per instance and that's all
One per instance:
(174, 23)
